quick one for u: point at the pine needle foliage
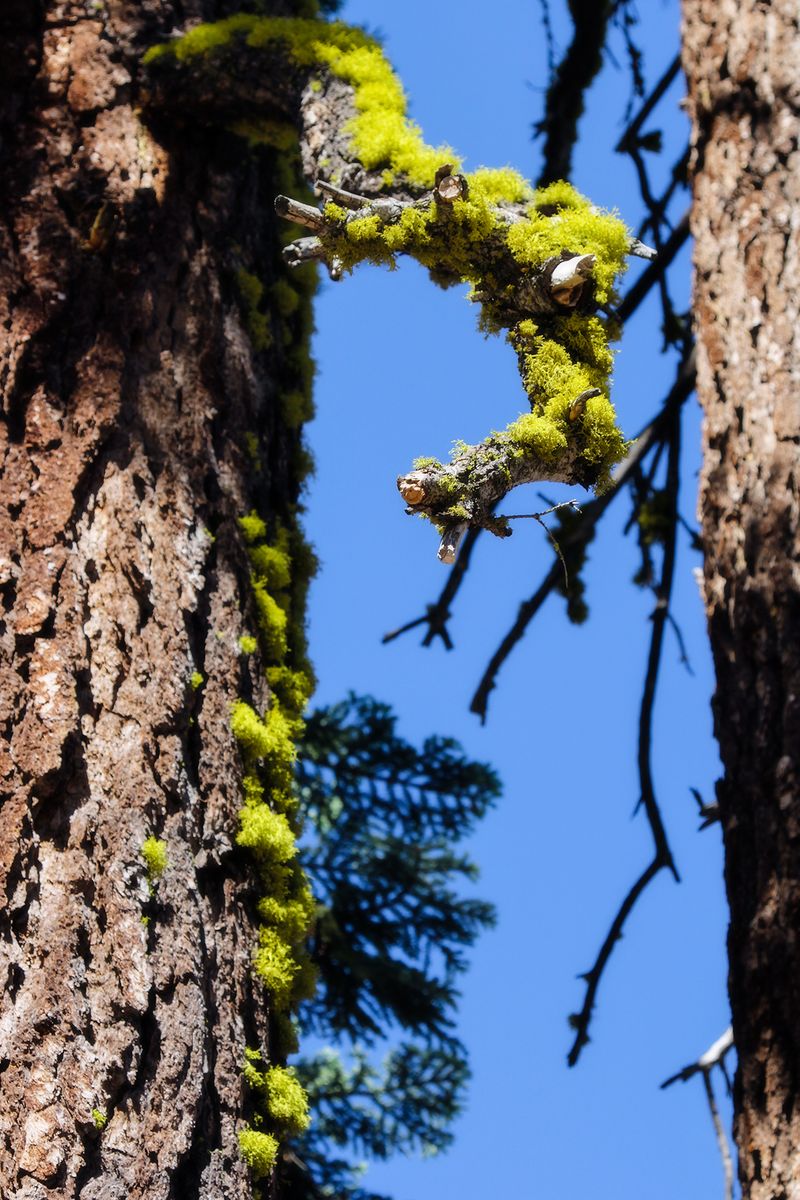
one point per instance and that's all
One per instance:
(383, 820)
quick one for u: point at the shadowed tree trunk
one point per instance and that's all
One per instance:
(129, 380)
(743, 66)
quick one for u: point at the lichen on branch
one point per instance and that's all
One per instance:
(542, 264)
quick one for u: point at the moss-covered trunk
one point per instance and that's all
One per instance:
(140, 384)
(742, 62)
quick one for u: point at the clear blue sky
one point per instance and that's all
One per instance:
(403, 372)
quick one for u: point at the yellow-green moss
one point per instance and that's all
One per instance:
(271, 564)
(292, 688)
(99, 1118)
(296, 408)
(196, 680)
(247, 644)
(290, 918)
(577, 227)
(280, 570)
(270, 738)
(253, 448)
(382, 135)
(281, 1091)
(276, 965)
(266, 833)
(252, 291)
(259, 1151)
(253, 528)
(261, 131)
(285, 296)
(154, 853)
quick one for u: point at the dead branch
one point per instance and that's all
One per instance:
(662, 854)
(713, 1057)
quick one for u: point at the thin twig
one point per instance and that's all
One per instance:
(714, 1056)
(632, 131)
(580, 1021)
(677, 179)
(662, 856)
(437, 614)
(573, 504)
(709, 813)
(722, 1140)
(651, 275)
(684, 657)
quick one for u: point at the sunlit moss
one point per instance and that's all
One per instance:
(154, 853)
(259, 1151)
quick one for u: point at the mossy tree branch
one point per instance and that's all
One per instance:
(541, 264)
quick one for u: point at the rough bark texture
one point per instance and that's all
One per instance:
(743, 65)
(128, 382)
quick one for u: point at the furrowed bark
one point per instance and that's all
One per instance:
(127, 382)
(742, 65)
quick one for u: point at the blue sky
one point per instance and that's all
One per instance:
(403, 372)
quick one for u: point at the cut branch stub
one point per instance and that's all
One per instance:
(301, 214)
(578, 406)
(569, 278)
(449, 187)
(561, 282)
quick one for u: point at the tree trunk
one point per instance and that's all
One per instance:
(743, 66)
(129, 381)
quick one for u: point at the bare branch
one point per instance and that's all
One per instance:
(662, 857)
(451, 540)
(722, 1139)
(632, 132)
(565, 96)
(650, 277)
(303, 250)
(347, 199)
(713, 1057)
(709, 813)
(639, 250)
(299, 213)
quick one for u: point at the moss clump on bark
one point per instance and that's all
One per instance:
(259, 1151)
(154, 853)
(280, 569)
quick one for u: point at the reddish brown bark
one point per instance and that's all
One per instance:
(128, 382)
(743, 67)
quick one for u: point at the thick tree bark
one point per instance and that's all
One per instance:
(743, 66)
(128, 382)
